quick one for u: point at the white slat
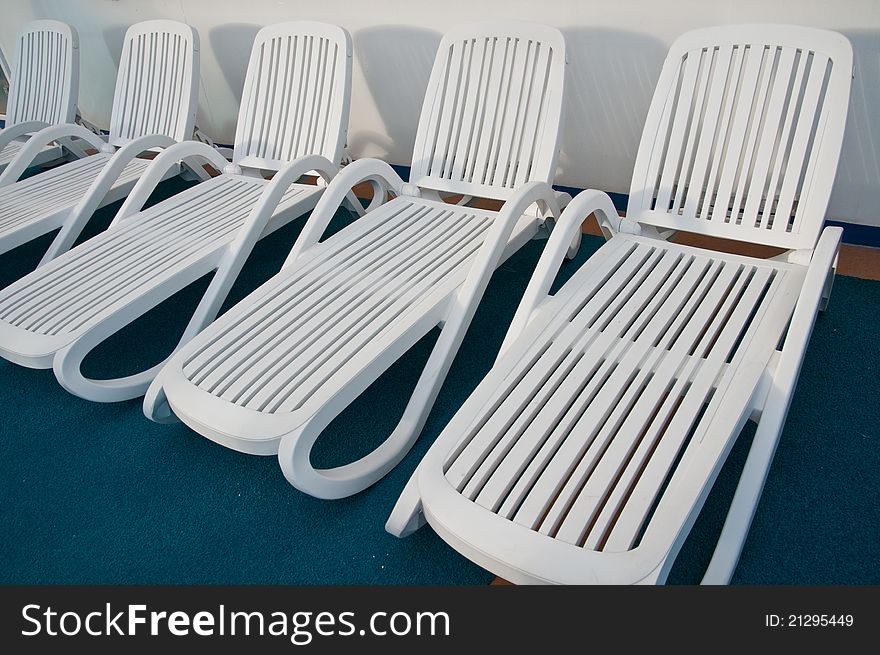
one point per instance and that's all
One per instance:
(296, 95)
(743, 115)
(786, 132)
(531, 427)
(69, 292)
(500, 161)
(45, 74)
(733, 314)
(363, 243)
(584, 523)
(32, 199)
(328, 312)
(754, 131)
(759, 194)
(470, 116)
(493, 92)
(457, 74)
(738, 132)
(564, 474)
(723, 88)
(668, 443)
(654, 145)
(695, 130)
(581, 438)
(678, 135)
(157, 83)
(533, 121)
(798, 158)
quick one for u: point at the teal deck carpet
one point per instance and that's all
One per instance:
(96, 493)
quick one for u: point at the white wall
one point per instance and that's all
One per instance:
(616, 49)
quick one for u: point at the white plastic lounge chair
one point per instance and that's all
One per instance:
(271, 373)
(587, 452)
(154, 106)
(43, 88)
(295, 103)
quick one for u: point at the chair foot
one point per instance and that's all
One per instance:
(156, 405)
(826, 290)
(407, 515)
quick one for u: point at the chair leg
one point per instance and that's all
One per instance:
(67, 367)
(826, 290)
(575, 245)
(774, 410)
(68, 361)
(156, 405)
(748, 490)
(294, 451)
(407, 515)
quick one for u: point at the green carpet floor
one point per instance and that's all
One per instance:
(98, 494)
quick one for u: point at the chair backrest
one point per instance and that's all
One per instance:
(157, 83)
(45, 75)
(744, 133)
(296, 95)
(493, 109)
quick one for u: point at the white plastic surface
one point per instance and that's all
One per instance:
(55, 316)
(157, 84)
(154, 106)
(492, 109)
(296, 95)
(43, 87)
(744, 133)
(587, 452)
(270, 374)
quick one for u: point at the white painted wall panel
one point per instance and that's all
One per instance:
(616, 49)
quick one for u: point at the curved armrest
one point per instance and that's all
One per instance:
(378, 173)
(40, 140)
(253, 226)
(275, 190)
(159, 167)
(486, 260)
(13, 132)
(531, 193)
(99, 188)
(567, 227)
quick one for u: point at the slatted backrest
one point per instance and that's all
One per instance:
(744, 133)
(493, 109)
(157, 84)
(45, 77)
(296, 95)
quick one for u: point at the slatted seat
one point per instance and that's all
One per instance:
(270, 374)
(48, 154)
(288, 350)
(366, 285)
(11, 150)
(154, 106)
(40, 204)
(42, 89)
(57, 314)
(580, 440)
(8, 153)
(75, 290)
(586, 453)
